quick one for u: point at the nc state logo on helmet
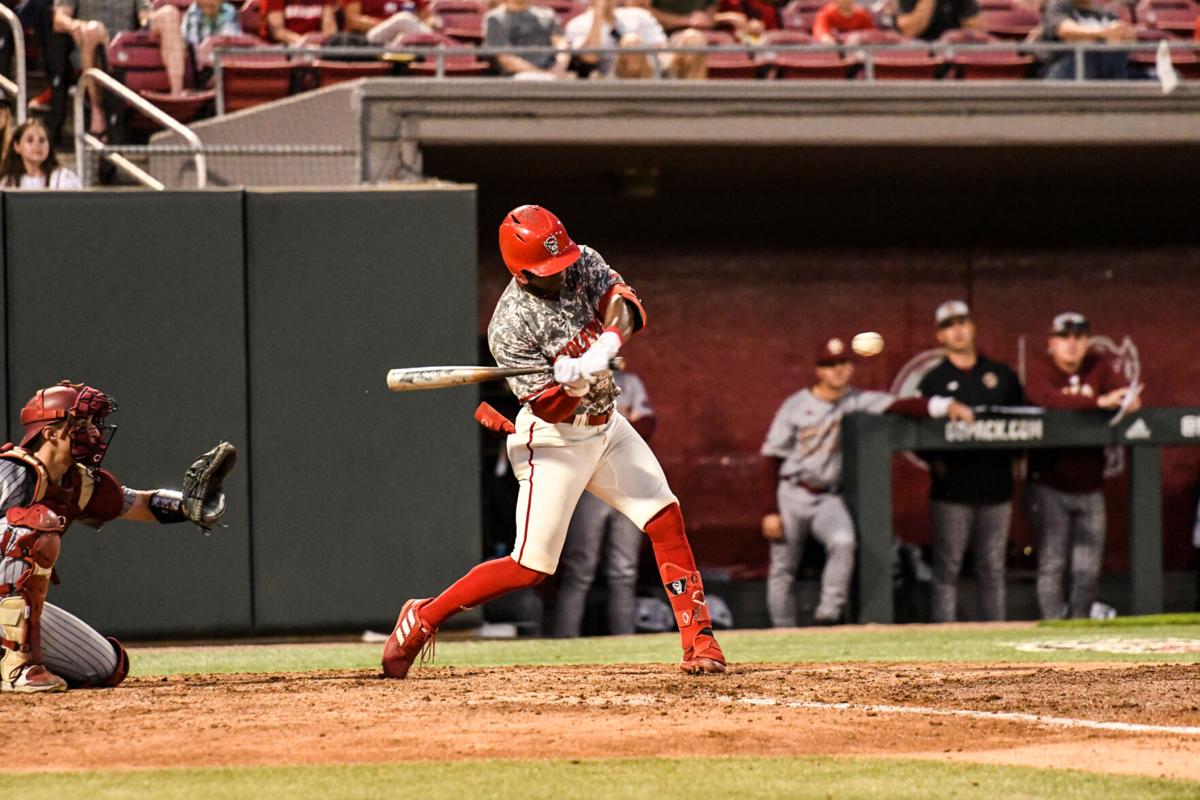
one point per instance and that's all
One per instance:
(534, 240)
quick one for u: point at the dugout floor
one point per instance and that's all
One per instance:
(1138, 719)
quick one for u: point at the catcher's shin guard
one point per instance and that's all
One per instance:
(701, 653)
(19, 670)
(411, 637)
(22, 668)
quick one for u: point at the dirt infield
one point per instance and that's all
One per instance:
(627, 710)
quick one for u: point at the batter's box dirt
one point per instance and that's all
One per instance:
(939, 711)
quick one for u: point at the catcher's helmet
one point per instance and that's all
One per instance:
(68, 400)
(533, 240)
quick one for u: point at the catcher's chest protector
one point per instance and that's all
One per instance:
(67, 498)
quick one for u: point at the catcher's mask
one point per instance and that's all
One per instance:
(84, 408)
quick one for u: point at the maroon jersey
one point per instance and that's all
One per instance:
(1076, 469)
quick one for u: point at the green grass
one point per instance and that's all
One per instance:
(616, 779)
(1123, 622)
(899, 643)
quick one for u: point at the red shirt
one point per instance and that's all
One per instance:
(830, 20)
(1077, 469)
(299, 16)
(382, 9)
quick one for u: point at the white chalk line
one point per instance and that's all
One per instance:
(1007, 716)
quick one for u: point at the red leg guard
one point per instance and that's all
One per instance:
(681, 579)
(122, 663)
(485, 582)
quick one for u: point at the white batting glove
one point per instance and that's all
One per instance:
(567, 375)
(603, 350)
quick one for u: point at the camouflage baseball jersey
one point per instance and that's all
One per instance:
(531, 331)
(807, 434)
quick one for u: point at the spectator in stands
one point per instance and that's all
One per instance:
(385, 23)
(1066, 487)
(839, 17)
(929, 19)
(30, 161)
(516, 23)
(38, 16)
(205, 18)
(675, 15)
(1080, 21)
(289, 21)
(970, 491)
(605, 24)
(597, 526)
(92, 23)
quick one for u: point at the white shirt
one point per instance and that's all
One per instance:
(627, 20)
(61, 178)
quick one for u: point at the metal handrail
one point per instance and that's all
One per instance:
(19, 88)
(866, 52)
(84, 140)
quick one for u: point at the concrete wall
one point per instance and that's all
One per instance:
(268, 319)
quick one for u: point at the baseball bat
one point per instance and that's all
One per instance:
(414, 379)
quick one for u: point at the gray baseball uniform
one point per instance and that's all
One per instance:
(807, 434)
(597, 526)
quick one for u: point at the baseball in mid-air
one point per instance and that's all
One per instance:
(868, 343)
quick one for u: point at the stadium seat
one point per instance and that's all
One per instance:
(987, 66)
(184, 108)
(909, 64)
(725, 66)
(182, 5)
(1176, 21)
(796, 65)
(204, 51)
(135, 60)
(250, 15)
(333, 72)
(250, 82)
(459, 66)
(1186, 62)
(464, 26)
(1015, 23)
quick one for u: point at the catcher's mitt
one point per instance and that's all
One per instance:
(203, 500)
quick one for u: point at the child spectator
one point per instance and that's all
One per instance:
(30, 162)
(838, 17)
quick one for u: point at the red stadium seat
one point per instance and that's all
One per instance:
(333, 72)
(909, 64)
(440, 6)
(796, 65)
(250, 82)
(135, 60)
(182, 5)
(1186, 62)
(1015, 23)
(723, 66)
(463, 26)
(459, 66)
(799, 15)
(184, 108)
(1179, 21)
(986, 66)
(204, 51)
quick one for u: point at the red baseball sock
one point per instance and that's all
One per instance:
(669, 540)
(485, 582)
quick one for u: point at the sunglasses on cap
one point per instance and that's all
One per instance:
(1069, 322)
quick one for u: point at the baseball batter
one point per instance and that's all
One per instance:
(804, 462)
(51, 479)
(566, 308)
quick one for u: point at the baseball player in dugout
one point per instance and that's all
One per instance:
(1065, 496)
(803, 453)
(566, 309)
(49, 480)
(970, 492)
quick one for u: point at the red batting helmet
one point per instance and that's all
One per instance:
(71, 400)
(533, 240)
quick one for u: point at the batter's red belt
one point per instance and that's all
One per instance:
(590, 420)
(809, 487)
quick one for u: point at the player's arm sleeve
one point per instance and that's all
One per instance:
(17, 483)
(512, 347)
(885, 403)
(107, 501)
(781, 436)
(604, 284)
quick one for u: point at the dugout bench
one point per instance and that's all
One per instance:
(868, 441)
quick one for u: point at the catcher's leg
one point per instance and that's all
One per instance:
(26, 581)
(77, 652)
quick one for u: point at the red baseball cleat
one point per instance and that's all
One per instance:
(410, 638)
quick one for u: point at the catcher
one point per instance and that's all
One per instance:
(51, 479)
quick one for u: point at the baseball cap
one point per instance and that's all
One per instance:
(1069, 322)
(951, 309)
(833, 351)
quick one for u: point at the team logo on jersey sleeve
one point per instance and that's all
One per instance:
(551, 244)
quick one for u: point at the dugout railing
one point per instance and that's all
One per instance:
(869, 441)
